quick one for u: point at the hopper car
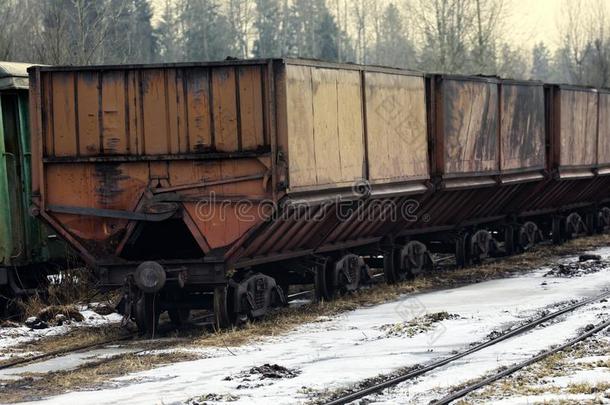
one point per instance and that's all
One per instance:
(27, 250)
(218, 185)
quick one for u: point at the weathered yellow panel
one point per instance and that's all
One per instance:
(578, 128)
(302, 168)
(325, 132)
(350, 125)
(396, 127)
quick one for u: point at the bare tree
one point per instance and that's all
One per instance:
(488, 21)
(361, 14)
(574, 38)
(240, 14)
(444, 27)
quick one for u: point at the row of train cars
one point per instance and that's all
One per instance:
(218, 185)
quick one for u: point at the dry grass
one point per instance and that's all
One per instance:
(69, 341)
(537, 379)
(73, 286)
(36, 386)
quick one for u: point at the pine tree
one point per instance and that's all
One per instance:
(206, 31)
(130, 36)
(269, 29)
(394, 48)
(313, 32)
(541, 69)
(327, 33)
(167, 35)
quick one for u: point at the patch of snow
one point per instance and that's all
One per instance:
(67, 362)
(10, 337)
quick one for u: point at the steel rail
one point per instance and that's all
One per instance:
(439, 363)
(65, 350)
(516, 367)
(83, 347)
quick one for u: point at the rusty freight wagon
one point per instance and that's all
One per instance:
(217, 185)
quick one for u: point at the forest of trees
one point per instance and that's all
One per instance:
(454, 36)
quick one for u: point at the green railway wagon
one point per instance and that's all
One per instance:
(27, 250)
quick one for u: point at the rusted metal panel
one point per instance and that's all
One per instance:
(250, 79)
(118, 142)
(522, 126)
(397, 143)
(86, 115)
(577, 125)
(63, 129)
(603, 137)
(467, 119)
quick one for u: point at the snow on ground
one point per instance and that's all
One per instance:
(11, 337)
(337, 352)
(64, 363)
(436, 384)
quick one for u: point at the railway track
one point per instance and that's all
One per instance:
(199, 321)
(96, 345)
(516, 367)
(376, 388)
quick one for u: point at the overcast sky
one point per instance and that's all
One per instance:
(532, 21)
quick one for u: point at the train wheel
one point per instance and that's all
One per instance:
(147, 314)
(391, 266)
(529, 235)
(574, 226)
(415, 259)
(349, 274)
(179, 316)
(480, 245)
(223, 318)
(462, 250)
(324, 286)
(4, 300)
(557, 230)
(510, 245)
(603, 219)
